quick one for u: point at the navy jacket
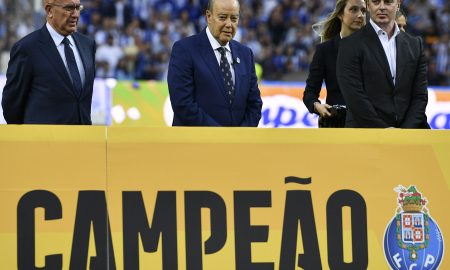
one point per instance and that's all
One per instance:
(38, 88)
(197, 90)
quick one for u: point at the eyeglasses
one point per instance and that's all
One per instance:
(69, 8)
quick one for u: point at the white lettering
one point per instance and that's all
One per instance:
(429, 260)
(397, 260)
(412, 266)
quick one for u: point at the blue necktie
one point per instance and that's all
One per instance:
(226, 72)
(73, 68)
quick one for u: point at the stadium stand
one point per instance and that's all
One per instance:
(278, 31)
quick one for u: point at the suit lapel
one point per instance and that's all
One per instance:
(236, 58)
(211, 61)
(48, 48)
(84, 52)
(374, 43)
(402, 55)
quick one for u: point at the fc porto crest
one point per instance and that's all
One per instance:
(413, 239)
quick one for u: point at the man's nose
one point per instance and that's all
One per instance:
(228, 22)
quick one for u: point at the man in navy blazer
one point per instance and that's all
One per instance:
(48, 83)
(199, 92)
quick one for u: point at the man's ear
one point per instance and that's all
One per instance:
(48, 10)
(208, 16)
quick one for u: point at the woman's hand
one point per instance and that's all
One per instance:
(322, 109)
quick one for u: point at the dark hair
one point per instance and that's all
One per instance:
(400, 13)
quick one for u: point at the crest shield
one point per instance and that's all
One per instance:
(413, 237)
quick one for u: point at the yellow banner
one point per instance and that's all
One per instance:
(45, 167)
(223, 198)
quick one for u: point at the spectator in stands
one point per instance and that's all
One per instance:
(441, 50)
(107, 58)
(347, 17)
(123, 71)
(400, 19)
(434, 77)
(428, 19)
(145, 68)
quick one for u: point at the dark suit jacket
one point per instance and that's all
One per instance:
(197, 91)
(38, 88)
(323, 67)
(373, 101)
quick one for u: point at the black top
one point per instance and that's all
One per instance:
(323, 66)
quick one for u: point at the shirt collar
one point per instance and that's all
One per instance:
(57, 37)
(380, 31)
(214, 43)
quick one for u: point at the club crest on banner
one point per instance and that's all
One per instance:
(413, 239)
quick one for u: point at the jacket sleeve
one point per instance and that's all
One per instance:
(254, 101)
(181, 83)
(415, 116)
(315, 80)
(349, 71)
(18, 82)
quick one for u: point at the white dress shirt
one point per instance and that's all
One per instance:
(58, 38)
(215, 45)
(389, 46)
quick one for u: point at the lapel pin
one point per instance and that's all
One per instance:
(238, 60)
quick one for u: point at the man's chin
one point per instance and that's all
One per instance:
(223, 42)
(72, 29)
(382, 21)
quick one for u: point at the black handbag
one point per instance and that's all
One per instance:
(337, 118)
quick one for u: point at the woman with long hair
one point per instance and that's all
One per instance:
(348, 16)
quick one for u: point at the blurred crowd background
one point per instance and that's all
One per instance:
(134, 37)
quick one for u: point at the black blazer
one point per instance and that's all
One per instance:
(373, 101)
(38, 87)
(323, 66)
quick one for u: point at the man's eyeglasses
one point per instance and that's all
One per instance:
(69, 8)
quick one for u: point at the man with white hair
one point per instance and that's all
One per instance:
(51, 71)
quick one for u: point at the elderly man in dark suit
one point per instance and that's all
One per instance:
(382, 73)
(51, 71)
(211, 78)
